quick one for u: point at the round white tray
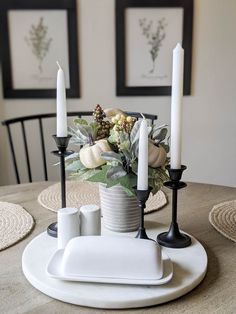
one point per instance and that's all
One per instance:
(189, 264)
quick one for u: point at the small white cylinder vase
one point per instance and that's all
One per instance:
(120, 212)
(68, 225)
(90, 220)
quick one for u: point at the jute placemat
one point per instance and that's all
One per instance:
(15, 224)
(82, 193)
(223, 219)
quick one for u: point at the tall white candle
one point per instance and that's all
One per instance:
(176, 106)
(143, 157)
(61, 104)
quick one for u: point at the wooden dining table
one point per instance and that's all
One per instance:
(215, 294)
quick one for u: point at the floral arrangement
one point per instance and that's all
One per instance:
(108, 150)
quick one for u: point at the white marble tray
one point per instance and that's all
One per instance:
(189, 264)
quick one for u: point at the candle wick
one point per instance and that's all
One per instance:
(58, 64)
(143, 116)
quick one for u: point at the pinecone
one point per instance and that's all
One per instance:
(98, 114)
(104, 126)
(103, 130)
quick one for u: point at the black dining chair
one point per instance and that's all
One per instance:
(21, 121)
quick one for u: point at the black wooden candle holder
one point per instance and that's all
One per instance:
(174, 238)
(62, 152)
(142, 197)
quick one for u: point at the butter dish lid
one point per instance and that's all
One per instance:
(104, 259)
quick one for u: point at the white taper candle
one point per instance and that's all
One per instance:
(61, 104)
(176, 107)
(143, 157)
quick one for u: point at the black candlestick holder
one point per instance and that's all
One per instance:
(62, 152)
(174, 238)
(142, 197)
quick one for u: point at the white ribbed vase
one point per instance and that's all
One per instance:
(120, 212)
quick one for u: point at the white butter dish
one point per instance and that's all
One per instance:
(122, 260)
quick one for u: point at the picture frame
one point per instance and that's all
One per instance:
(147, 31)
(34, 35)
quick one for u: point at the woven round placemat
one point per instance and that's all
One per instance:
(15, 224)
(223, 219)
(83, 193)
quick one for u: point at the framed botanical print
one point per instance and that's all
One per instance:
(34, 36)
(146, 33)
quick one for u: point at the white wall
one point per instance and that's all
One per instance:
(209, 130)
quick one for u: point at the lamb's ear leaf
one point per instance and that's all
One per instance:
(82, 130)
(114, 136)
(80, 121)
(134, 134)
(75, 165)
(111, 156)
(79, 136)
(135, 148)
(115, 173)
(161, 135)
(100, 176)
(94, 130)
(156, 127)
(72, 156)
(85, 175)
(128, 182)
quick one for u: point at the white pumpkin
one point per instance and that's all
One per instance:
(90, 155)
(156, 155)
(112, 112)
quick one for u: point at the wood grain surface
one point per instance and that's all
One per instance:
(216, 294)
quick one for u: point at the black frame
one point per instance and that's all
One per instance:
(121, 5)
(70, 7)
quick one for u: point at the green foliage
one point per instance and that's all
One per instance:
(127, 182)
(80, 121)
(112, 157)
(83, 133)
(121, 163)
(156, 177)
